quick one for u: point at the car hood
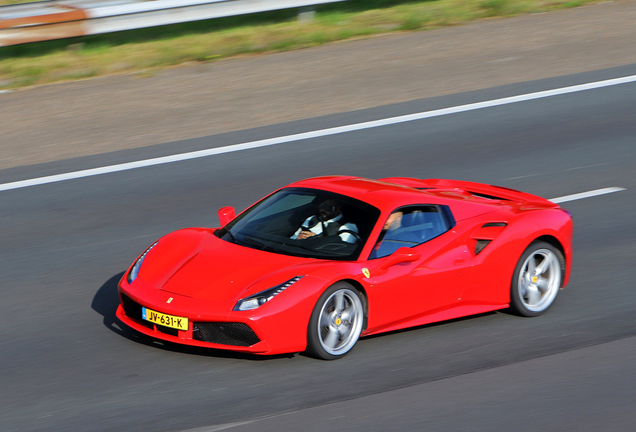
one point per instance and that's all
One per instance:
(195, 263)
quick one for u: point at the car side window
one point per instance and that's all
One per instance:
(411, 226)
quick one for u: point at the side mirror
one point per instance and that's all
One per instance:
(226, 214)
(401, 255)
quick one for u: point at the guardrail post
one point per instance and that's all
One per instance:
(306, 14)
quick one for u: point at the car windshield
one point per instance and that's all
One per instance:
(306, 223)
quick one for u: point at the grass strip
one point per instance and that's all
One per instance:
(10, 2)
(147, 51)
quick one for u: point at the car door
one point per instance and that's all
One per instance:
(417, 269)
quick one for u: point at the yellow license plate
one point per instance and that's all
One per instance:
(165, 320)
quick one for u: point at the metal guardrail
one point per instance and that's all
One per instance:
(58, 19)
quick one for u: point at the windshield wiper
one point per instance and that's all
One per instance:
(232, 238)
(260, 244)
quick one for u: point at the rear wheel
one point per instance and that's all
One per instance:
(537, 279)
(336, 322)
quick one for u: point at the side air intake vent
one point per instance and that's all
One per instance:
(481, 244)
(487, 233)
(494, 224)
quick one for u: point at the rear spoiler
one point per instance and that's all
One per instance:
(472, 188)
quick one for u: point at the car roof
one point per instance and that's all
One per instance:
(466, 199)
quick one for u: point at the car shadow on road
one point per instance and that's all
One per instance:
(105, 303)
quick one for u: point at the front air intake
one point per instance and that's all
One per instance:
(132, 309)
(224, 333)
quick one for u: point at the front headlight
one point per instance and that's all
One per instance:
(134, 271)
(259, 299)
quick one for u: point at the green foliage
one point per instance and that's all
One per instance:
(410, 24)
(364, 5)
(573, 4)
(80, 74)
(9, 2)
(494, 7)
(32, 72)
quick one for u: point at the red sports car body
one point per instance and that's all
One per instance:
(318, 263)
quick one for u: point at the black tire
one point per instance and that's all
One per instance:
(536, 280)
(336, 322)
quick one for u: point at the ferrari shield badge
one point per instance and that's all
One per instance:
(366, 273)
(169, 300)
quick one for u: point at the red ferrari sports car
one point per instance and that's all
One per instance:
(319, 263)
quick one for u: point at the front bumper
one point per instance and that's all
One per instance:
(276, 328)
(187, 337)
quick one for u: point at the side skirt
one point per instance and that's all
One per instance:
(448, 314)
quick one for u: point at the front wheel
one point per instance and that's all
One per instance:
(336, 322)
(536, 280)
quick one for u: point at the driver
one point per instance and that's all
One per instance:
(329, 221)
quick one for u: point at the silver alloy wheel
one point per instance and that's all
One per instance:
(340, 322)
(539, 280)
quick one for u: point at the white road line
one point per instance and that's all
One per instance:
(314, 134)
(589, 194)
(220, 427)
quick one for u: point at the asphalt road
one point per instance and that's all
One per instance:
(67, 364)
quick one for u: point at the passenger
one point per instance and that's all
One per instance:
(393, 222)
(328, 222)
